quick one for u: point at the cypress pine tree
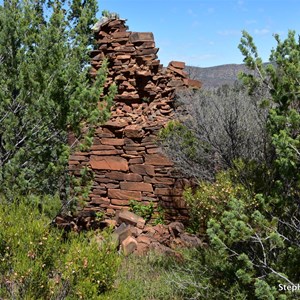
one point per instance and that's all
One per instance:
(45, 90)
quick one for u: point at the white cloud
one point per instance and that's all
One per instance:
(191, 12)
(229, 32)
(262, 31)
(196, 23)
(240, 6)
(211, 10)
(249, 22)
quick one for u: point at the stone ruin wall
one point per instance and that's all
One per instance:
(126, 161)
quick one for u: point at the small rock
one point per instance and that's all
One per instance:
(176, 228)
(135, 231)
(129, 245)
(123, 232)
(144, 239)
(109, 223)
(129, 217)
(142, 249)
(190, 240)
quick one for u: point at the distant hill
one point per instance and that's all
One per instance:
(212, 77)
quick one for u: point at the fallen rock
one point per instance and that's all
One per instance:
(175, 228)
(123, 232)
(141, 249)
(190, 240)
(129, 245)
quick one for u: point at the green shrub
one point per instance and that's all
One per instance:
(40, 262)
(201, 276)
(143, 210)
(211, 199)
(90, 266)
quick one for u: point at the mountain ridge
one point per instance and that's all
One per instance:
(212, 77)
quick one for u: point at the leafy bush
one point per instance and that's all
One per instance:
(89, 266)
(202, 277)
(210, 199)
(40, 262)
(143, 210)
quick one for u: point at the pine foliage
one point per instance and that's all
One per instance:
(45, 90)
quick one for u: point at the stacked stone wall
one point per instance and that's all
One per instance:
(125, 157)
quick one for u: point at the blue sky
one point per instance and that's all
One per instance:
(207, 32)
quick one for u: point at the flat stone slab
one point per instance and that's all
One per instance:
(108, 163)
(130, 218)
(137, 37)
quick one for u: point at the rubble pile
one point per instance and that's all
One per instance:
(131, 235)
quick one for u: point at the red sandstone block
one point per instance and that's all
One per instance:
(144, 239)
(145, 45)
(124, 56)
(147, 51)
(143, 73)
(112, 185)
(82, 153)
(168, 192)
(121, 34)
(178, 71)
(127, 96)
(116, 175)
(115, 23)
(110, 211)
(102, 147)
(79, 157)
(134, 131)
(120, 202)
(132, 177)
(104, 132)
(152, 150)
(114, 142)
(137, 37)
(129, 245)
(142, 169)
(107, 152)
(116, 123)
(125, 195)
(98, 191)
(120, 78)
(99, 200)
(128, 217)
(131, 152)
(160, 180)
(108, 163)
(133, 148)
(124, 48)
(177, 64)
(157, 160)
(136, 186)
(138, 160)
(103, 181)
